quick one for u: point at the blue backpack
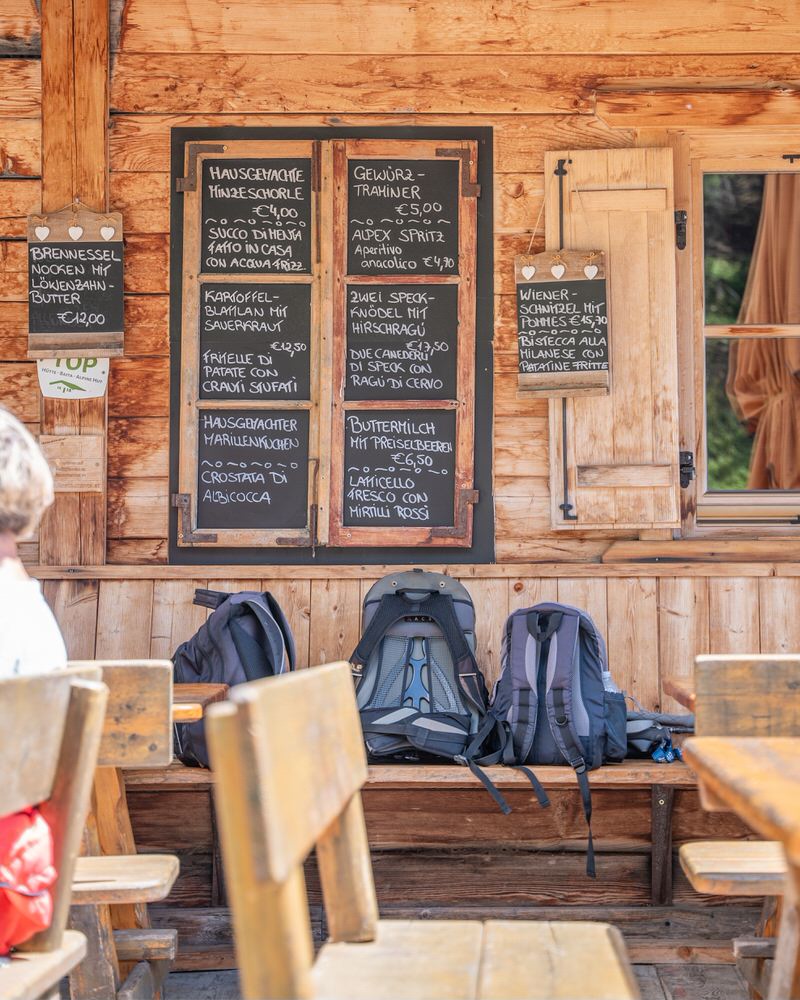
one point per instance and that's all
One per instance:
(555, 702)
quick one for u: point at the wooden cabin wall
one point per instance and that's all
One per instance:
(531, 75)
(655, 619)
(20, 194)
(534, 76)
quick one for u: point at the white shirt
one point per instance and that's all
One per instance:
(30, 640)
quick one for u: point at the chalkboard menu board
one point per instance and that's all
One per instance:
(75, 281)
(562, 323)
(402, 342)
(255, 340)
(252, 469)
(402, 216)
(256, 216)
(399, 468)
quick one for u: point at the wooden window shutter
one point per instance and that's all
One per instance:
(621, 466)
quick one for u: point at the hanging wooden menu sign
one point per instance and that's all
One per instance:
(402, 341)
(562, 323)
(256, 216)
(255, 340)
(402, 216)
(75, 289)
(399, 468)
(252, 468)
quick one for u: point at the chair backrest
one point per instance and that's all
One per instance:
(50, 729)
(756, 695)
(138, 729)
(289, 758)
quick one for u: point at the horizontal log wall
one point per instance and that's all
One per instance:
(654, 621)
(533, 75)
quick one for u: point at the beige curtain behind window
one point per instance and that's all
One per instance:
(763, 385)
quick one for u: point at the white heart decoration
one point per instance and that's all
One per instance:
(590, 270)
(75, 232)
(42, 232)
(107, 232)
(528, 272)
(557, 270)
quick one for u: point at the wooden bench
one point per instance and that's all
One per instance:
(112, 883)
(276, 806)
(407, 783)
(50, 728)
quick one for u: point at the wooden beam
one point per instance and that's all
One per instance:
(75, 78)
(698, 108)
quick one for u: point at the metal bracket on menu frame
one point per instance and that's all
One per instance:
(183, 501)
(465, 498)
(189, 182)
(468, 188)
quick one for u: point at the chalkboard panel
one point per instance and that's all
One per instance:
(562, 323)
(401, 341)
(399, 468)
(75, 283)
(252, 469)
(255, 340)
(402, 217)
(256, 216)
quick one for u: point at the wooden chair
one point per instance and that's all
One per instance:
(744, 696)
(50, 728)
(112, 883)
(290, 759)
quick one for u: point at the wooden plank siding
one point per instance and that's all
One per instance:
(537, 78)
(654, 624)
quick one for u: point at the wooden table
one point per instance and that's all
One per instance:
(189, 701)
(681, 689)
(759, 780)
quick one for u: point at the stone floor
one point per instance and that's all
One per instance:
(656, 982)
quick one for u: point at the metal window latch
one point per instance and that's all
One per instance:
(687, 469)
(680, 228)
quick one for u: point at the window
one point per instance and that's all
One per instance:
(748, 302)
(327, 390)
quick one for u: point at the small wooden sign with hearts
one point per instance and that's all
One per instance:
(75, 284)
(562, 323)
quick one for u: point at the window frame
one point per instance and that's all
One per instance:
(738, 511)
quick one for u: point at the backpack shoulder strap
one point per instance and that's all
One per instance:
(559, 714)
(273, 633)
(280, 618)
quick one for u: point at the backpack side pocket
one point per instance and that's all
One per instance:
(616, 719)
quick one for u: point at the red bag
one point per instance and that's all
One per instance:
(26, 877)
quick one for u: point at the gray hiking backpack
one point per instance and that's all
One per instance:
(418, 685)
(245, 637)
(555, 698)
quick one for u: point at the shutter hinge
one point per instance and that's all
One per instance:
(687, 469)
(186, 534)
(680, 228)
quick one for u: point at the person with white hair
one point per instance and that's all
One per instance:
(30, 641)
